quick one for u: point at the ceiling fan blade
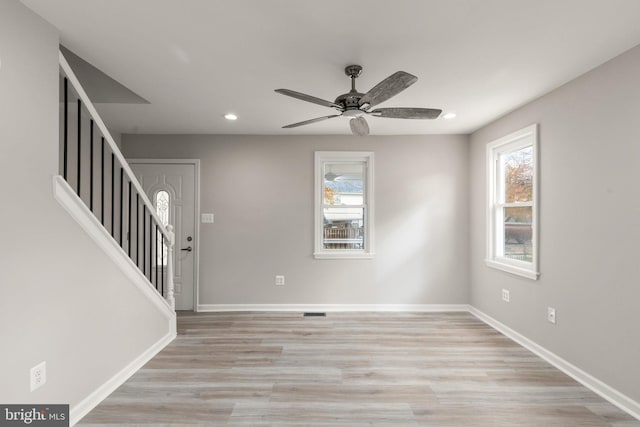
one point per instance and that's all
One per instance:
(308, 98)
(359, 126)
(406, 113)
(308, 122)
(391, 86)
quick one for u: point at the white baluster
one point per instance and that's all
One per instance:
(170, 297)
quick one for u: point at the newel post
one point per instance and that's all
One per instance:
(170, 297)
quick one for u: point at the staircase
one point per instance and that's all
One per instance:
(99, 189)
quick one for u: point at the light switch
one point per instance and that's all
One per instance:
(206, 218)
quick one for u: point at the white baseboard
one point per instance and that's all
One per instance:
(618, 399)
(419, 308)
(87, 404)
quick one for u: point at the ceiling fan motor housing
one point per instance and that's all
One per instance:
(350, 101)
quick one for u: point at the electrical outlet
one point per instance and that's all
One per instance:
(551, 315)
(38, 376)
(279, 280)
(177, 288)
(505, 295)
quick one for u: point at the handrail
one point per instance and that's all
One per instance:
(112, 144)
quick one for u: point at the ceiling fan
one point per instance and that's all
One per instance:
(357, 106)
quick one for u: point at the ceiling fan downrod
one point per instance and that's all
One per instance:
(351, 100)
(354, 72)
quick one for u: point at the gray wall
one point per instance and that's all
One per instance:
(589, 225)
(261, 192)
(61, 302)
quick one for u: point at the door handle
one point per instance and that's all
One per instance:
(188, 249)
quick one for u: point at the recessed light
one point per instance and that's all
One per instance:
(230, 116)
(449, 116)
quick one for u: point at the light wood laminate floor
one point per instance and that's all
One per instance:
(355, 369)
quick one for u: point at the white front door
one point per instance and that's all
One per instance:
(176, 180)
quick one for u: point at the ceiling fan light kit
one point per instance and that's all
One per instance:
(356, 106)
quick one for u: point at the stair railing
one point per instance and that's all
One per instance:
(92, 164)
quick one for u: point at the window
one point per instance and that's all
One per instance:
(512, 227)
(343, 204)
(162, 209)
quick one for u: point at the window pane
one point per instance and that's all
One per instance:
(162, 209)
(518, 175)
(518, 233)
(343, 228)
(162, 206)
(344, 184)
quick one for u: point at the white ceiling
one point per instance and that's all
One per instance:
(195, 60)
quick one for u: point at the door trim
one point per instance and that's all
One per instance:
(196, 214)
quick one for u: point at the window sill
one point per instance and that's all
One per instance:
(343, 255)
(519, 271)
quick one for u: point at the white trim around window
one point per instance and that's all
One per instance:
(360, 245)
(499, 203)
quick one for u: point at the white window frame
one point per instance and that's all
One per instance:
(322, 157)
(495, 203)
